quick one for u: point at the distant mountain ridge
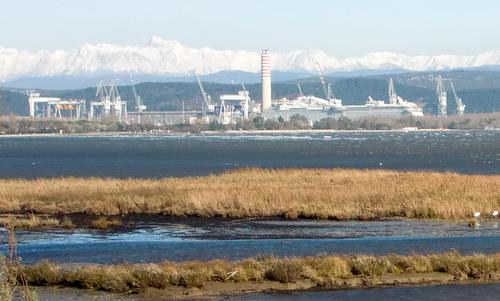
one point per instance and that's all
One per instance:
(480, 91)
(170, 58)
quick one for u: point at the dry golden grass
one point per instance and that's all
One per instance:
(307, 193)
(104, 223)
(320, 270)
(31, 222)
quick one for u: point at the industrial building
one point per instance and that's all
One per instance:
(54, 107)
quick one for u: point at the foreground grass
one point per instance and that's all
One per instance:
(31, 222)
(323, 271)
(291, 193)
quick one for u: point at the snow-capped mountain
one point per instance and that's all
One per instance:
(168, 57)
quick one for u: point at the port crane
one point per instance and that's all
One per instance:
(322, 80)
(109, 102)
(139, 106)
(330, 92)
(442, 97)
(458, 101)
(300, 90)
(207, 104)
(393, 97)
(246, 103)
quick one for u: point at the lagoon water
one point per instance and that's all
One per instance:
(484, 292)
(163, 238)
(488, 292)
(181, 239)
(179, 155)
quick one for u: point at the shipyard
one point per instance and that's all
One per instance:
(231, 108)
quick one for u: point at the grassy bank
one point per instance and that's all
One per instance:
(300, 272)
(290, 193)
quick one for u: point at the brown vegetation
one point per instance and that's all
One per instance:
(31, 222)
(291, 193)
(324, 271)
(104, 223)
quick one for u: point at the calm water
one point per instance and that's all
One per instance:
(194, 239)
(487, 292)
(183, 239)
(159, 156)
(490, 292)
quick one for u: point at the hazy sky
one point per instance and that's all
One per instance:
(340, 28)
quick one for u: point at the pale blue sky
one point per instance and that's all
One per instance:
(340, 28)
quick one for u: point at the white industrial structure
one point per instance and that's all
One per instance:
(55, 107)
(139, 105)
(207, 106)
(393, 97)
(442, 97)
(109, 104)
(458, 101)
(265, 69)
(235, 105)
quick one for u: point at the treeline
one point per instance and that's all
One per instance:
(11, 125)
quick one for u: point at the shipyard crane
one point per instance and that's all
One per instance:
(330, 92)
(103, 97)
(322, 79)
(207, 100)
(459, 103)
(247, 101)
(246, 93)
(243, 86)
(139, 106)
(442, 97)
(393, 97)
(300, 90)
(119, 107)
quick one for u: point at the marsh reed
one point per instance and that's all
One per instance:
(291, 193)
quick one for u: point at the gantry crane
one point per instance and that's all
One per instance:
(300, 90)
(393, 97)
(442, 97)
(458, 101)
(207, 104)
(139, 106)
(322, 80)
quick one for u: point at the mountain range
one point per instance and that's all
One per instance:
(169, 60)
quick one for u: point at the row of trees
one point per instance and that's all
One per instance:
(17, 125)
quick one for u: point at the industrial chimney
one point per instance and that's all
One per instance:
(265, 66)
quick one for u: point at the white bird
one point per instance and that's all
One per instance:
(477, 214)
(495, 213)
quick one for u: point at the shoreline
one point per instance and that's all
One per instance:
(233, 132)
(59, 294)
(202, 279)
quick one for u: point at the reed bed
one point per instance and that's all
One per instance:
(324, 271)
(291, 193)
(31, 222)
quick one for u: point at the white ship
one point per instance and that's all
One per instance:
(396, 107)
(315, 108)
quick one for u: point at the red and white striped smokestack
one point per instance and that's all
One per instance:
(265, 69)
